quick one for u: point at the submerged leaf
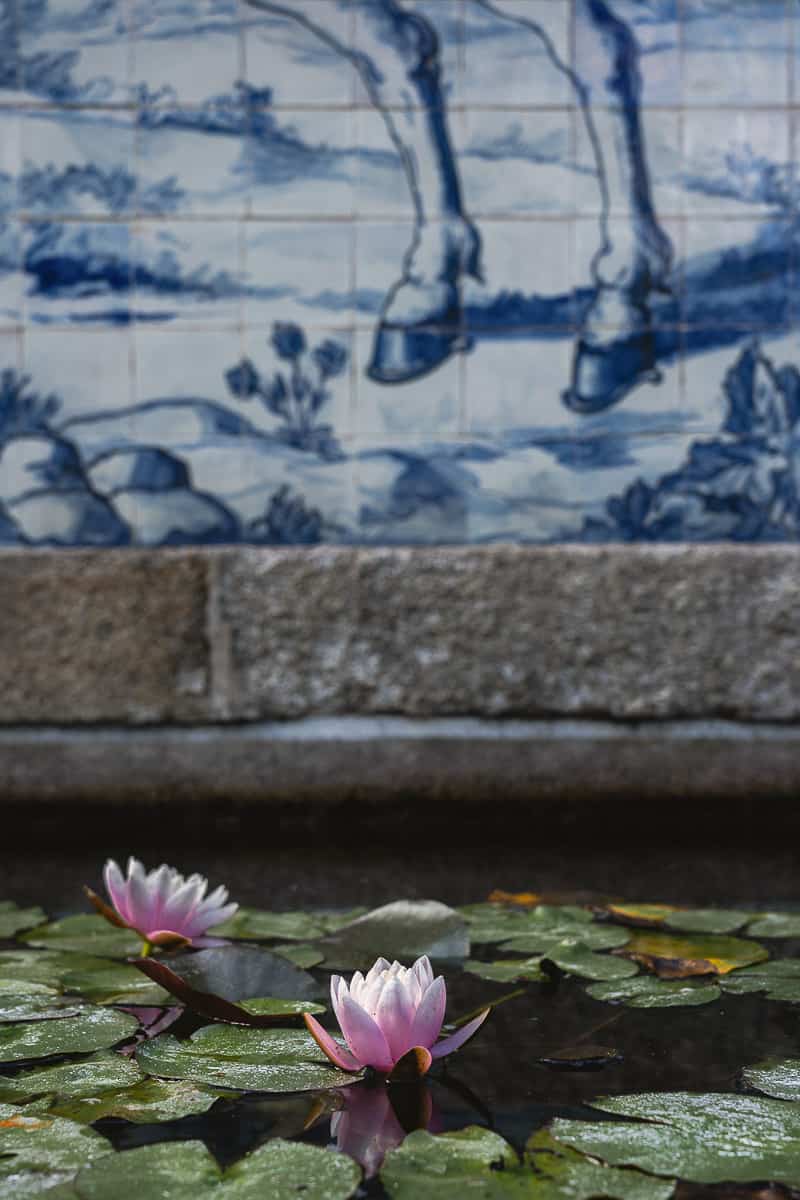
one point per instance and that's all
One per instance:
(91, 1077)
(705, 1138)
(647, 992)
(144, 1103)
(258, 1060)
(775, 925)
(778, 1077)
(403, 930)
(300, 954)
(780, 979)
(674, 957)
(92, 1029)
(85, 934)
(186, 1171)
(39, 1152)
(257, 1012)
(237, 973)
(14, 919)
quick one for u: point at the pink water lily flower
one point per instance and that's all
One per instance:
(392, 1012)
(162, 906)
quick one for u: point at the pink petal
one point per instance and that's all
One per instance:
(142, 911)
(338, 1055)
(394, 1017)
(424, 971)
(363, 1036)
(462, 1035)
(116, 888)
(427, 1024)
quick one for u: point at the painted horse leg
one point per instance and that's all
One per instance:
(616, 346)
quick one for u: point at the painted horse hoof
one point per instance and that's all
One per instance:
(402, 353)
(602, 375)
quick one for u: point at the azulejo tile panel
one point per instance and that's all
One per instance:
(398, 271)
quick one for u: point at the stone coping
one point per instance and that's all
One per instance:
(234, 635)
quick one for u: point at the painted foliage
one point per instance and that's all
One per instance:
(296, 271)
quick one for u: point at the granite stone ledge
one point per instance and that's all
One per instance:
(103, 636)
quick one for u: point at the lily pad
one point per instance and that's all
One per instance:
(85, 934)
(646, 992)
(775, 925)
(186, 1171)
(144, 1103)
(578, 960)
(260, 924)
(701, 1138)
(40, 1152)
(14, 919)
(708, 920)
(243, 973)
(778, 1077)
(640, 914)
(780, 979)
(554, 928)
(258, 1060)
(300, 954)
(95, 979)
(477, 1162)
(489, 923)
(403, 930)
(672, 956)
(33, 1007)
(506, 970)
(25, 987)
(93, 1029)
(100, 1073)
(270, 1007)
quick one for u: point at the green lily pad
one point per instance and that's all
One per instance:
(506, 970)
(96, 979)
(14, 919)
(261, 925)
(708, 920)
(257, 1060)
(144, 1103)
(775, 925)
(673, 956)
(578, 960)
(477, 1162)
(239, 973)
(270, 1007)
(25, 987)
(186, 1171)
(403, 930)
(93, 1029)
(300, 954)
(554, 928)
(778, 1077)
(100, 1073)
(39, 1152)
(780, 979)
(707, 1138)
(645, 991)
(87, 933)
(487, 923)
(32, 1007)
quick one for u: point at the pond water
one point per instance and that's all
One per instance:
(593, 1002)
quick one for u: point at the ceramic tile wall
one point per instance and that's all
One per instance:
(398, 271)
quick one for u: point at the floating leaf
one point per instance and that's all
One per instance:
(564, 1174)
(778, 1077)
(243, 973)
(707, 1138)
(581, 1057)
(487, 923)
(186, 1171)
(521, 899)
(93, 1029)
(708, 920)
(100, 1073)
(553, 928)
(95, 979)
(674, 957)
(640, 914)
(40, 1152)
(215, 1008)
(14, 919)
(775, 925)
(403, 930)
(301, 955)
(25, 987)
(646, 992)
(259, 924)
(86, 934)
(578, 960)
(780, 979)
(259, 1060)
(145, 1102)
(33, 1007)
(506, 970)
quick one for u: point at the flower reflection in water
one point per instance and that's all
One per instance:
(375, 1118)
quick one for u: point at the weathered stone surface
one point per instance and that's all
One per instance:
(290, 616)
(108, 636)
(627, 632)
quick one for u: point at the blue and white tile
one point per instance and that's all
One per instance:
(299, 271)
(89, 371)
(77, 52)
(373, 33)
(656, 33)
(380, 251)
(10, 160)
(189, 272)
(662, 142)
(588, 241)
(738, 55)
(383, 188)
(11, 276)
(740, 273)
(518, 163)
(181, 382)
(183, 169)
(77, 272)
(430, 407)
(303, 164)
(332, 403)
(507, 60)
(301, 59)
(77, 163)
(528, 278)
(737, 163)
(186, 53)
